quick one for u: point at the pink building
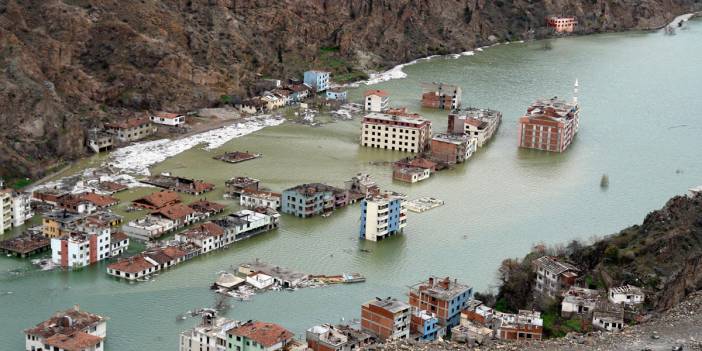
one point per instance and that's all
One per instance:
(562, 24)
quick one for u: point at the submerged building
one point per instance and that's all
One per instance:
(400, 132)
(382, 215)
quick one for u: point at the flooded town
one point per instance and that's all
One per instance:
(389, 213)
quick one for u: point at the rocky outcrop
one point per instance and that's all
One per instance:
(69, 64)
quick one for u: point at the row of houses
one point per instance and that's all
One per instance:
(207, 237)
(131, 129)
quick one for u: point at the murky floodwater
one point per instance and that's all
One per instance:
(640, 124)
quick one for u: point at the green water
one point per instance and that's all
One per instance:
(641, 107)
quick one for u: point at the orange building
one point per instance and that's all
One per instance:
(387, 319)
(562, 24)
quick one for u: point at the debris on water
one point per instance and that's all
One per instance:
(678, 171)
(604, 181)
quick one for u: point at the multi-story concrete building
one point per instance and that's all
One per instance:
(453, 148)
(313, 199)
(5, 210)
(21, 208)
(336, 338)
(60, 222)
(131, 129)
(318, 80)
(382, 215)
(553, 277)
(209, 335)
(376, 100)
(386, 319)
(525, 325)
(258, 336)
(562, 24)
(395, 132)
(363, 184)
(424, 326)
(119, 243)
(69, 330)
(77, 250)
(474, 122)
(256, 198)
(549, 125)
(442, 296)
(336, 94)
(441, 96)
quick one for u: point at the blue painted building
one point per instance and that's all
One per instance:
(309, 200)
(382, 215)
(318, 80)
(336, 94)
(425, 326)
(442, 296)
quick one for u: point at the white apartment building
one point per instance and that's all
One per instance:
(78, 250)
(376, 100)
(5, 210)
(475, 122)
(382, 216)
(21, 208)
(395, 132)
(255, 198)
(209, 335)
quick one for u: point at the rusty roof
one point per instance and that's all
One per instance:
(159, 198)
(175, 211)
(77, 341)
(128, 123)
(134, 264)
(65, 322)
(118, 236)
(266, 334)
(98, 200)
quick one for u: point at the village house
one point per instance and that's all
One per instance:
(148, 228)
(441, 96)
(284, 277)
(157, 200)
(443, 297)
(70, 330)
(77, 250)
(579, 302)
(300, 92)
(168, 119)
(207, 236)
(205, 209)
(382, 215)
(235, 186)
(209, 335)
(21, 208)
(395, 132)
(101, 202)
(259, 336)
(99, 141)
(260, 280)
(376, 100)
(524, 325)
(253, 106)
(336, 94)
(50, 197)
(550, 124)
(627, 295)
(25, 245)
(311, 199)
(386, 319)
(59, 222)
(453, 148)
(179, 214)
(317, 80)
(608, 317)
(474, 122)
(410, 174)
(132, 268)
(272, 101)
(562, 24)
(328, 337)
(553, 277)
(131, 129)
(257, 198)
(179, 184)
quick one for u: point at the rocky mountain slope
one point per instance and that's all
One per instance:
(69, 64)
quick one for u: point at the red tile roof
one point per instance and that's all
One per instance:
(57, 323)
(99, 200)
(207, 206)
(128, 123)
(266, 334)
(75, 342)
(382, 93)
(175, 211)
(118, 236)
(212, 228)
(159, 199)
(134, 264)
(174, 252)
(167, 115)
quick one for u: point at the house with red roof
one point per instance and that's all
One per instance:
(167, 119)
(131, 129)
(376, 100)
(259, 336)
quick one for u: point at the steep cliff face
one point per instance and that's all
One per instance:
(68, 64)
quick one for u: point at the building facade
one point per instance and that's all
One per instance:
(382, 215)
(562, 24)
(258, 336)
(309, 200)
(256, 198)
(441, 96)
(475, 122)
(318, 80)
(336, 94)
(395, 132)
(77, 250)
(209, 335)
(549, 125)
(376, 100)
(5, 210)
(627, 295)
(386, 319)
(453, 148)
(168, 119)
(443, 297)
(553, 277)
(68, 330)
(131, 129)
